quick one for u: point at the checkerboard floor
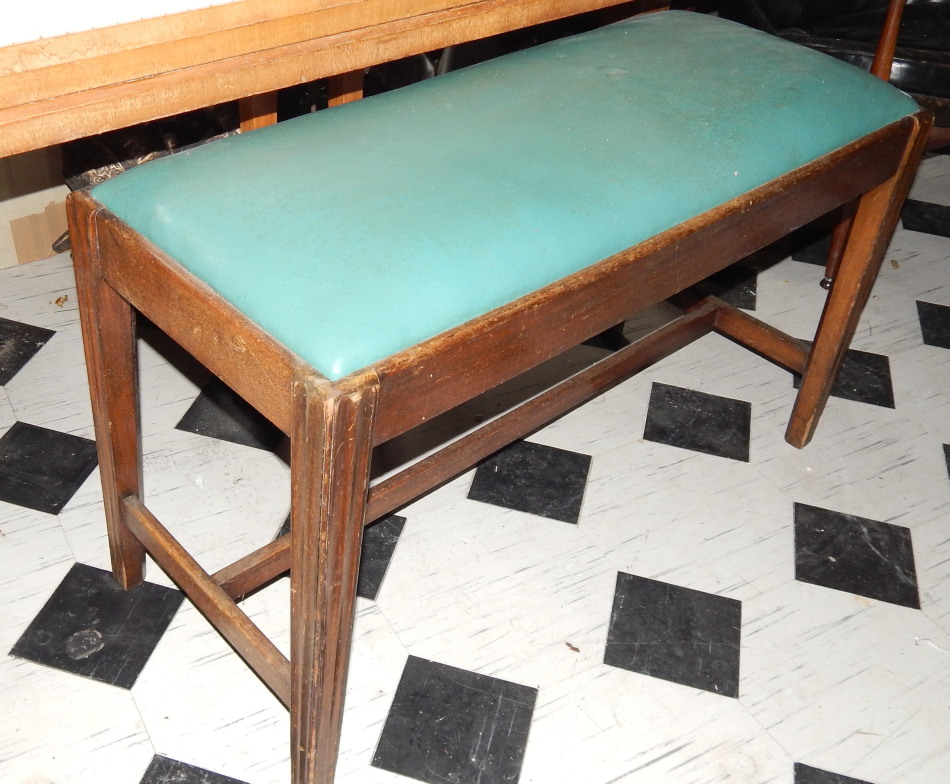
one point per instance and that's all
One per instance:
(655, 588)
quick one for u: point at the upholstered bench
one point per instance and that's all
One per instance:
(358, 271)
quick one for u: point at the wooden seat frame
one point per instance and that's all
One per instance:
(334, 426)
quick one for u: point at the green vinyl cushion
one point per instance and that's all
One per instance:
(355, 232)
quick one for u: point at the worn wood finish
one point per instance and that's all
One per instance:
(335, 425)
(84, 83)
(272, 560)
(245, 357)
(250, 572)
(874, 222)
(245, 637)
(331, 446)
(549, 321)
(108, 330)
(527, 331)
(762, 338)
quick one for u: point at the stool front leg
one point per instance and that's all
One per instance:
(874, 221)
(108, 328)
(331, 445)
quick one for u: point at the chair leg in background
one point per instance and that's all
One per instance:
(839, 239)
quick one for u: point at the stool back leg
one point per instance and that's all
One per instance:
(874, 221)
(331, 446)
(108, 328)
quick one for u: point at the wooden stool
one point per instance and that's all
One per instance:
(358, 271)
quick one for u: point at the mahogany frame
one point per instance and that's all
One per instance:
(334, 426)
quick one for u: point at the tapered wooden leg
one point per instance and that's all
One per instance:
(331, 444)
(108, 329)
(874, 222)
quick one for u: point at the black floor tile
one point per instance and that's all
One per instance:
(810, 244)
(163, 770)
(452, 725)
(736, 285)
(805, 774)
(91, 627)
(42, 469)
(218, 412)
(856, 555)
(676, 634)
(18, 344)
(379, 543)
(533, 478)
(699, 421)
(934, 324)
(611, 339)
(864, 378)
(926, 217)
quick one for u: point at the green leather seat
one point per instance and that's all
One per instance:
(356, 232)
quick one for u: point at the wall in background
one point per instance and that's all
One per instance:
(29, 183)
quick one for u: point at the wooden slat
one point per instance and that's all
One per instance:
(464, 453)
(763, 338)
(246, 638)
(255, 569)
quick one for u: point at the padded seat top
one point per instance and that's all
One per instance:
(353, 233)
